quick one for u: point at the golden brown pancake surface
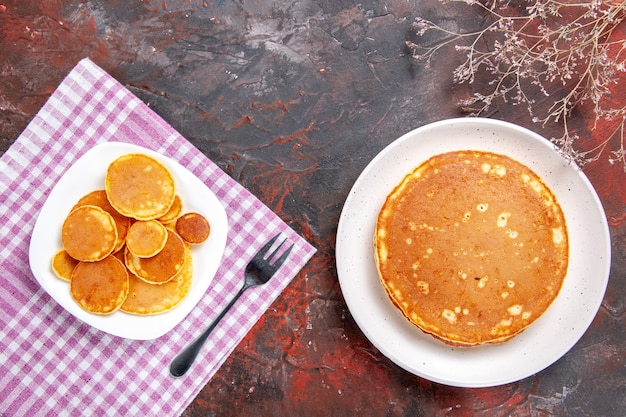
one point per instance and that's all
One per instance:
(471, 247)
(162, 267)
(146, 238)
(63, 265)
(194, 228)
(139, 186)
(175, 209)
(145, 298)
(100, 287)
(99, 198)
(89, 234)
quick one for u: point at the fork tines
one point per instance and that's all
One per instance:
(265, 249)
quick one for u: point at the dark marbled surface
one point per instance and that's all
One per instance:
(293, 99)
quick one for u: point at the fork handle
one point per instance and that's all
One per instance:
(181, 363)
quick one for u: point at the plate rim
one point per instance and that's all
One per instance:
(146, 327)
(342, 247)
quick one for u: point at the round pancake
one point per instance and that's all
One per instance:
(100, 287)
(99, 198)
(163, 266)
(174, 211)
(89, 234)
(63, 265)
(146, 238)
(139, 186)
(144, 298)
(193, 228)
(471, 247)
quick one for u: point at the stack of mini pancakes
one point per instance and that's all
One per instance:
(127, 247)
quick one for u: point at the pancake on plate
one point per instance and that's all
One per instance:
(63, 265)
(175, 209)
(145, 298)
(146, 238)
(123, 239)
(139, 186)
(193, 228)
(100, 287)
(161, 267)
(99, 198)
(471, 247)
(89, 234)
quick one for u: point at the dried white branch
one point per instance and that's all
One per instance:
(550, 46)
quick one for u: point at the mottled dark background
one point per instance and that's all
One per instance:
(293, 99)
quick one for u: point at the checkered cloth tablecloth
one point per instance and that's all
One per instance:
(50, 362)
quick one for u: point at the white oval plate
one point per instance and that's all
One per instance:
(86, 175)
(546, 340)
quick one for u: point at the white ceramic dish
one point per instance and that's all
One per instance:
(86, 175)
(546, 340)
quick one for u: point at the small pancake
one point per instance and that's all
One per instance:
(99, 198)
(163, 266)
(471, 247)
(139, 186)
(144, 298)
(100, 287)
(63, 265)
(89, 234)
(174, 211)
(146, 238)
(193, 228)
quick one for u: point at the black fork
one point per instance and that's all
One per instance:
(259, 271)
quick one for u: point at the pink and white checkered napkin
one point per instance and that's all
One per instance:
(50, 362)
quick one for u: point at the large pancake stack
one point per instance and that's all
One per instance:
(127, 247)
(471, 247)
